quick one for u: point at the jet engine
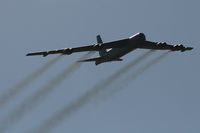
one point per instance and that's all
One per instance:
(67, 51)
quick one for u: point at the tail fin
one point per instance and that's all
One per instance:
(99, 40)
(103, 52)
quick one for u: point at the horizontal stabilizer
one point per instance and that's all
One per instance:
(99, 59)
(92, 59)
(118, 59)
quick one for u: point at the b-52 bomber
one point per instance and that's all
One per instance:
(113, 51)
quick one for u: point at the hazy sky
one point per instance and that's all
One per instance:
(163, 99)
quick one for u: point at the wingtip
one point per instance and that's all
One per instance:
(186, 48)
(29, 54)
(38, 53)
(190, 48)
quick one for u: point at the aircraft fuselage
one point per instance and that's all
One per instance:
(130, 44)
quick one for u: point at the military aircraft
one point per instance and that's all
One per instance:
(114, 50)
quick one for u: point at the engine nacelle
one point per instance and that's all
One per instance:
(67, 51)
(179, 47)
(97, 46)
(45, 54)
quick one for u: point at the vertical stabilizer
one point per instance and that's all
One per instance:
(99, 40)
(102, 52)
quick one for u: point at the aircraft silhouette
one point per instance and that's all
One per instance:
(114, 50)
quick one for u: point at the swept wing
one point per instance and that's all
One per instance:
(93, 47)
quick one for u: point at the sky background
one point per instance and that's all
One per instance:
(163, 99)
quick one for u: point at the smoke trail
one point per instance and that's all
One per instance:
(147, 66)
(35, 99)
(134, 75)
(85, 98)
(5, 98)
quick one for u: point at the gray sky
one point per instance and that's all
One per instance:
(163, 99)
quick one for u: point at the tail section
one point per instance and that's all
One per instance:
(92, 59)
(99, 40)
(99, 60)
(102, 52)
